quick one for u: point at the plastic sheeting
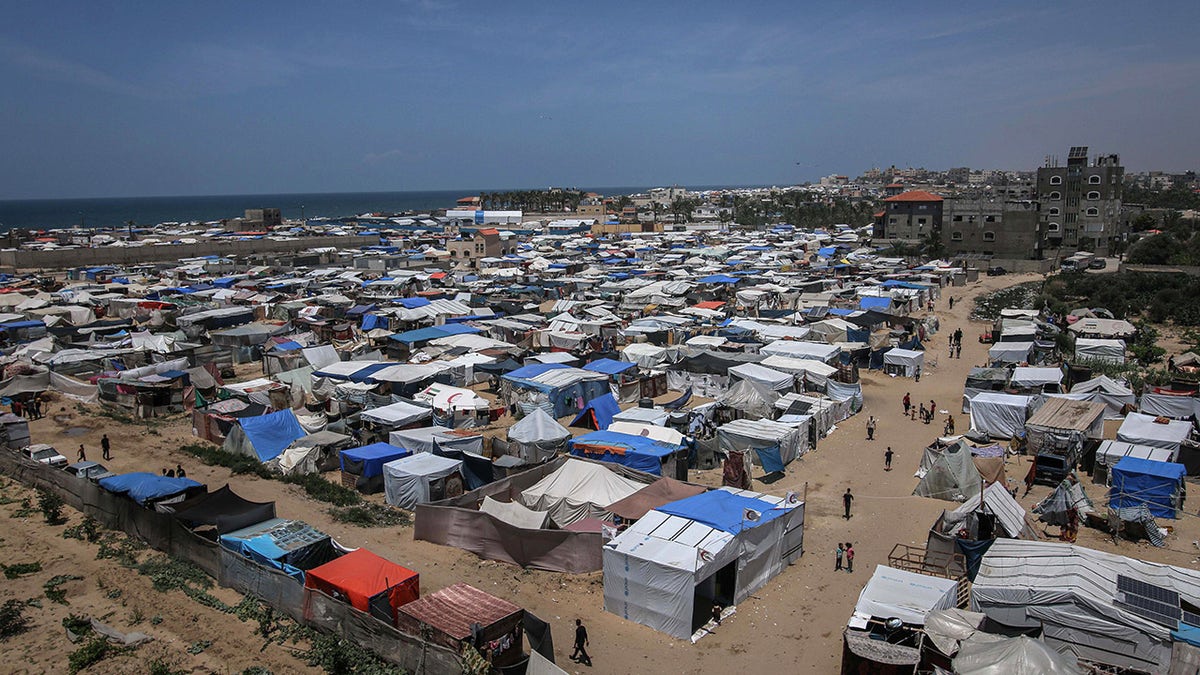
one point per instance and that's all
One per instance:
(578, 490)
(948, 473)
(1169, 405)
(744, 435)
(765, 377)
(1156, 485)
(264, 436)
(1021, 655)
(142, 487)
(908, 596)
(905, 361)
(999, 415)
(514, 514)
(398, 414)
(407, 481)
(636, 452)
(537, 437)
(1142, 429)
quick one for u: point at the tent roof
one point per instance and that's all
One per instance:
(224, 504)
(905, 595)
(1063, 413)
(360, 574)
(725, 510)
(453, 610)
(537, 426)
(142, 486)
(609, 366)
(1150, 467)
(659, 493)
(272, 433)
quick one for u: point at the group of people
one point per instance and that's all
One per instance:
(105, 449)
(920, 412)
(956, 344)
(177, 472)
(31, 409)
(844, 552)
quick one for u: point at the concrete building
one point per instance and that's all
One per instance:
(473, 245)
(909, 217)
(991, 227)
(1081, 203)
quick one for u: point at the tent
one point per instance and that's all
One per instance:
(287, 545)
(1158, 485)
(893, 593)
(420, 479)
(1036, 380)
(368, 582)
(1142, 429)
(774, 445)
(802, 350)
(537, 437)
(1010, 352)
(396, 415)
(598, 413)
(143, 487)
(649, 416)
(367, 462)
(636, 452)
(578, 490)
(765, 377)
(224, 510)
(462, 614)
(264, 436)
(749, 398)
(948, 472)
(668, 569)
(514, 514)
(1114, 395)
(1000, 415)
(1097, 350)
(1165, 403)
(311, 453)
(985, 654)
(657, 494)
(1111, 452)
(1062, 427)
(903, 362)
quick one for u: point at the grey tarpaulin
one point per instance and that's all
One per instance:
(538, 633)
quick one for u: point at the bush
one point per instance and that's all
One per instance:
(79, 625)
(322, 490)
(370, 514)
(239, 464)
(168, 574)
(51, 506)
(21, 569)
(92, 652)
(161, 667)
(88, 530)
(12, 619)
(334, 655)
(53, 588)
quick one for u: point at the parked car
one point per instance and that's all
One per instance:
(1097, 264)
(90, 470)
(1051, 469)
(46, 454)
(996, 271)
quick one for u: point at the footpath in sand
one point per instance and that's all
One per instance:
(794, 622)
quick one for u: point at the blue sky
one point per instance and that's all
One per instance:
(129, 99)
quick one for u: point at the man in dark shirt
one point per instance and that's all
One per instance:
(580, 654)
(846, 499)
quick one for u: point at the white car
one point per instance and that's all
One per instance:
(46, 454)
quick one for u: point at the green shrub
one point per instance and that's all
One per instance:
(215, 456)
(51, 506)
(12, 619)
(370, 514)
(161, 667)
(79, 625)
(169, 574)
(53, 588)
(21, 569)
(324, 491)
(92, 652)
(334, 655)
(88, 530)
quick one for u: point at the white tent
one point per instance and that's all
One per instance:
(578, 490)
(407, 481)
(431, 439)
(1010, 352)
(1106, 351)
(1114, 395)
(397, 414)
(651, 431)
(904, 362)
(812, 371)
(802, 350)
(1036, 378)
(762, 436)
(537, 437)
(655, 416)
(771, 379)
(1180, 407)
(908, 596)
(999, 415)
(514, 514)
(985, 654)
(1142, 429)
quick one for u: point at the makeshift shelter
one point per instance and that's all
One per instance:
(148, 489)
(1086, 602)
(462, 614)
(1010, 352)
(578, 490)
(422, 478)
(514, 514)
(1062, 427)
(598, 413)
(1111, 452)
(455, 407)
(1157, 485)
(396, 415)
(803, 350)
(1099, 351)
(363, 466)
(657, 494)
(1180, 405)
(560, 390)
(1068, 502)
(264, 437)
(1000, 415)
(764, 377)
(948, 472)
(657, 458)
(1114, 395)
(772, 445)
(537, 437)
(893, 593)
(437, 440)
(706, 373)
(749, 399)
(286, 545)
(1028, 380)
(980, 380)
(1156, 432)
(983, 654)
(367, 582)
(223, 510)
(903, 362)
(311, 453)
(668, 569)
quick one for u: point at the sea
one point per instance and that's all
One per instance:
(148, 211)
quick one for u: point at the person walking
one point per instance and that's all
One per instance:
(105, 448)
(887, 459)
(846, 500)
(871, 428)
(82, 454)
(837, 561)
(951, 302)
(924, 415)
(717, 609)
(917, 374)
(907, 403)
(580, 654)
(849, 557)
(18, 408)
(37, 406)
(950, 425)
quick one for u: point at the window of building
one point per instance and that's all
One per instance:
(958, 219)
(922, 207)
(1056, 180)
(990, 219)
(989, 236)
(466, 254)
(1055, 195)
(1054, 210)
(1093, 195)
(921, 221)
(1053, 227)
(892, 220)
(956, 236)
(1093, 211)
(1094, 180)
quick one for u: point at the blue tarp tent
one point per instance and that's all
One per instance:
(723, 510)
(598, 413)
(1137, 481)
(609, 366)
(287, 545)
(635, 452)
(872, 302)
(718, 279)
(142, 486)
(533, 370)
(368, 460)
(264, 436)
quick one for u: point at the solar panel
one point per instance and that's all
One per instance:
(1131, 586)
(1191, 618)
(1155, 603)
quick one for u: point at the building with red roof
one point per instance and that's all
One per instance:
(909, 217)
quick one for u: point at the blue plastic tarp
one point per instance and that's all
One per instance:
(141, 486)
(770, 459)
(718, 279)
(635, 452)
(609, 366)
(533, 370)
(270, 434)
(871, 302)
(288, 346)
(723, 510)
(373, 457)
(1137, 481)
(598, 413)
(1187, 633)
(412, 303)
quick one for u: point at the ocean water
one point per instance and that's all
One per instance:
(116, 212)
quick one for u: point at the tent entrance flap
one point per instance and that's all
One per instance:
(718, 588)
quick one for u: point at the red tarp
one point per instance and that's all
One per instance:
(452, 610)
(361, 575)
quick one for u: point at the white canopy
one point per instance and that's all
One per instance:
(1093, 349)
(1142, 429)
(999, 415)
(907, 361)
(406, 481)
(514, 514)
(578, 490)
(1010, 352)
(1035, 377)
(802, 350)
(771, 379)
(908, 596)
(397, 414)
(1111, 452)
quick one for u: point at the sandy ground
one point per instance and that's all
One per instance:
(796, 619)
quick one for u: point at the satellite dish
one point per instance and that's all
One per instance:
(893, 623)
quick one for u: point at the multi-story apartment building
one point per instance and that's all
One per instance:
(1080, 203)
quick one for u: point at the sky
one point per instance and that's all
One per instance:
(106, 99)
